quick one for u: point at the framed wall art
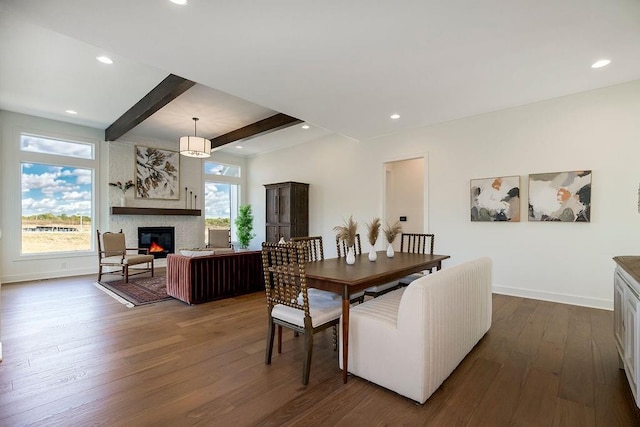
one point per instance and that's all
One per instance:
(495, 199)
(560, 196)
(157, 173)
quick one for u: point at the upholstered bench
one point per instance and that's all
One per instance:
(411, 339)
(198, 279)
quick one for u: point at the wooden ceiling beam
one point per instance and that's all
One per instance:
(166, 91)
(270, 124)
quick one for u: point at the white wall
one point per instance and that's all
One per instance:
(566, 262)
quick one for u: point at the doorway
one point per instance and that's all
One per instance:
(405, 196)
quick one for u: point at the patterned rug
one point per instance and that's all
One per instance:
(139, 290)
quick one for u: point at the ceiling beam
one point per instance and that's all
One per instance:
(165, 92)
(269, 124)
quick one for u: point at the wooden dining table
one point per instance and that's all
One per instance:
(335, 275)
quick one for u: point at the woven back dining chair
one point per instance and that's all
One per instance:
(289, 304)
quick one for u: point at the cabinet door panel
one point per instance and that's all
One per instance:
(630, 351)
(284, 201)
(273, 234)
(272, 205)
(618, 321)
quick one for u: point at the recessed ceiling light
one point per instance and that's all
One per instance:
(179, 2)
(305, 126)
(239, 147)
(394, 116)
(71, 112)
(105, 59)
(601, 63)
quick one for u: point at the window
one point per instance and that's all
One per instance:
(221, 196)
(212, 168)
(57, 181)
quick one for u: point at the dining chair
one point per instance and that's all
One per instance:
(412, 243)
(417, 243)
(314, 249)
(219, 238)
(341, 250)
(112, 252)
(289, 303)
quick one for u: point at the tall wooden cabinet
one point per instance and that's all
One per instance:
(287, 210)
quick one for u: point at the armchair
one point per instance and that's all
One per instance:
(115, 254)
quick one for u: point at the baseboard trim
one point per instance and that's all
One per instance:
(49, 275)
(555, 297)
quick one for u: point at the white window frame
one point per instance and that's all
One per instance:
(235, 196)
(58, 160)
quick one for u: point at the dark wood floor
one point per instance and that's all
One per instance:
(74, 356)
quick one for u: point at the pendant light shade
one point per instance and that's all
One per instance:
(195, 146)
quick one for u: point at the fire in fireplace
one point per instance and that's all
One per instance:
(159, 240)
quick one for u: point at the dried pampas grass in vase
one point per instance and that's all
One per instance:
(373, 230)
(391, 232)
(347, 233)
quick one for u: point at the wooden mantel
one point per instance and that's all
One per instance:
(117, 210)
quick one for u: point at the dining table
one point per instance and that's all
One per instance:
(335, 275)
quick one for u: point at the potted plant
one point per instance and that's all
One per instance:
(124, 188)
(391, 232)
(347, 233)
(373, 229)
(244, 224)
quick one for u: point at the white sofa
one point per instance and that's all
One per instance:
(411, 339)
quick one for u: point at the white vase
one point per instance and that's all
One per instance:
(351, 258)
(390, 251)
(373, 255)
(123, 201)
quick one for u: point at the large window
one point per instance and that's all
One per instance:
(221, 195)
(57, 182)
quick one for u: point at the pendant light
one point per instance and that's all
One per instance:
(195, 146)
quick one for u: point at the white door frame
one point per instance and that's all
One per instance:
(386, 188)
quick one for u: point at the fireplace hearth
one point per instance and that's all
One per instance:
(159, 240)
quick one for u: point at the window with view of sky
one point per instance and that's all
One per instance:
(57, 195)
(221, 195)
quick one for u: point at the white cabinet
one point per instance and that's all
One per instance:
(626, 325)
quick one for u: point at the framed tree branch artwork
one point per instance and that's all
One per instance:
(157, 173)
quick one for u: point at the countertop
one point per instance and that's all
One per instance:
(630, 264)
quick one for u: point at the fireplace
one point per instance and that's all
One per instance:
(159, 240)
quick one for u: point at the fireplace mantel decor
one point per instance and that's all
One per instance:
(117, 210)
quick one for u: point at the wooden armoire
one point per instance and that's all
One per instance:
(287, 210)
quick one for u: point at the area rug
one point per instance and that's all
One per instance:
(139, 291)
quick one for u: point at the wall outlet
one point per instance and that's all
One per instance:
(63, 265)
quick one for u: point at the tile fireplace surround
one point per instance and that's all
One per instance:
(189, 230)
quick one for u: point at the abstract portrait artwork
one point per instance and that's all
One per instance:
(560, 196)
(495, 199)
(157, 173)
